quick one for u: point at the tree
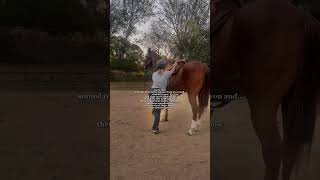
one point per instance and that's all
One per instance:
(127, 14)
(312, 6)
(155, 39)
(119, 45)
(57, 16)
(183, 27)
(131, 60)
(199, 43)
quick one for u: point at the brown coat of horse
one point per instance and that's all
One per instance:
(193, 78)
(267, 50)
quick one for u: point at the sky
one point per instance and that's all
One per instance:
(141, 28)
(144, 28)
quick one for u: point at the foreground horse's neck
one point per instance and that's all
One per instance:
(225, 5)
(222, 10)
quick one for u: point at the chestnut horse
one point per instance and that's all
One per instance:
(192, 77)
(268, 50)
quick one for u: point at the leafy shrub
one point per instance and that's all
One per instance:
(126, 65)
(116, 75)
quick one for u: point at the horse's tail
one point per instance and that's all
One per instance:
(203, 95)
(299, 104)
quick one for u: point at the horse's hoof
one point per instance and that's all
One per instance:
(197, 128)
(190, 132)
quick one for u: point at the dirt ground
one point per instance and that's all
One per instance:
(236, 150)
(137, 154)
(46, 131)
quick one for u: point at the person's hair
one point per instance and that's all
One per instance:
(161, 70)
(161, 64)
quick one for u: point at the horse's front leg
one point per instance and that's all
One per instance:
(164, 115)
(198, 122)
(164, 111)
(264, 120)
(195, 109)
(200, 118)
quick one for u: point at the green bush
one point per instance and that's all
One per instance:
(116, 75)
(126, 65)
(22, 45)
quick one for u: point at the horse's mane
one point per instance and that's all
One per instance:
(222, 10)
(179, 67)
(236, 1)
(153, 55)
(225, 5)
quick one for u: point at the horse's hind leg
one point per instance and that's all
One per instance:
(264, 120)
(290, 149)
(199, 119)
(166, 115)
(195, 110)
(198, 122)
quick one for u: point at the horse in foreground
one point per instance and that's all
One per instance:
(267, 50)
(192, 77)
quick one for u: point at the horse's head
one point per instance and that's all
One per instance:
(151, 60)
(148, 62)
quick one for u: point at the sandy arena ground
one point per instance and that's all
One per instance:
(46, 131)
(236, 150)
(137, 154)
